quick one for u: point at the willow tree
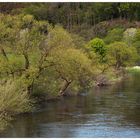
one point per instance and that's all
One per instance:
(28, 48)
(70, 66)
(36, 47)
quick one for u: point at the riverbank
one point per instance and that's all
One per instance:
(6, 117)
(93, 114)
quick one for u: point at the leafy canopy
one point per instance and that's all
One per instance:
(121, 55)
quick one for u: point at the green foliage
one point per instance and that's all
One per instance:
(71, 62)
(13, 100)
(38, 11)
(14, 64)
(36, 56)
(70, 65)
(114, 35)
(98, 46)
(59, 37)
(121, 55)
(136, 40)
(13, 97)
(4, 120)
(137, 35)
(78, 41)
(38, 46)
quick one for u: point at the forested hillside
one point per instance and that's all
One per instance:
(70, 14)
(80, 18)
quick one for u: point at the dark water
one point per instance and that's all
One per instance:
(107, 112)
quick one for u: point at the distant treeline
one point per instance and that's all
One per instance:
(73, 14)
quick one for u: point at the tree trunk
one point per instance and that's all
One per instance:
(30, 88)
(3, 53)
(63, 89)
(26, 61)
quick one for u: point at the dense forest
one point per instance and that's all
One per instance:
(86, 19)
(50, 50)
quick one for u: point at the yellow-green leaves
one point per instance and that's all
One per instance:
(59, 37)
(97, 45)
(13, 97)
(121, 55)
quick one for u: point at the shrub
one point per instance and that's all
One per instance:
(113, 35)
(14, 98)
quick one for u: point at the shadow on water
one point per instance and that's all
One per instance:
(102, 112)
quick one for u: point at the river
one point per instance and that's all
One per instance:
(112, 111)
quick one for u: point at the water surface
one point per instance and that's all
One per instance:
(101, 112)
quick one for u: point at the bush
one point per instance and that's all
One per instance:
(97, 45)
(13, 98)
(4, 119)
(113, 35)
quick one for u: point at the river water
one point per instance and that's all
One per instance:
(112, 111)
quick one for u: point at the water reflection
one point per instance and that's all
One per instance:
(106, 112)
